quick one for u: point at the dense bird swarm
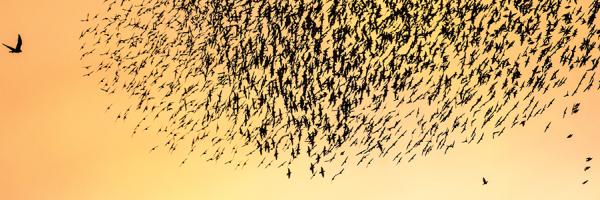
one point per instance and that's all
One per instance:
(319, 85)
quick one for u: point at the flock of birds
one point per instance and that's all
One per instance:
(317, 86)
(586, 168)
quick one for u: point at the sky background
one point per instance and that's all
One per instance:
(57, 141)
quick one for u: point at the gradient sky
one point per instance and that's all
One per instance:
(57, 141)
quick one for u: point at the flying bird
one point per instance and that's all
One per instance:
(485, 182)
(16, 49)
(588, 159)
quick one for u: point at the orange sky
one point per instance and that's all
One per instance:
(57, 142)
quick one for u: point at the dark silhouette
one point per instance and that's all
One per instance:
(16, 49)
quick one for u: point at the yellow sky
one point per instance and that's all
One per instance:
(57, 142)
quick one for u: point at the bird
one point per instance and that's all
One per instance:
(289, 173)
(485, 182)
(570, 136)
(339, 173)
(16, 49)
(322, 172)
(547, 127)
(586, 168)
(588, 159)
(584, 182)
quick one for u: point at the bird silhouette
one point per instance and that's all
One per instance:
(485, 182)
(16, 49)
(322, 172)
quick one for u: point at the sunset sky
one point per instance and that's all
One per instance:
(58, 142)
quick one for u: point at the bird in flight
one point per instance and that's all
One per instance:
(588, 159)
(485, 182)
(16, 49)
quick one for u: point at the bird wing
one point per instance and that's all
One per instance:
(19, 42)
(12, 49)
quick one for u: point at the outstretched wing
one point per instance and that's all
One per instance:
(19, 42)
(12, 49)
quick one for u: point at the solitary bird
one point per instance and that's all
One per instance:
(588, 159)
(484, 181)
(570, 136)
(16, 49)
